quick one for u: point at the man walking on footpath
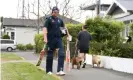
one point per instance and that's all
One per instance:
(53, 39)
(83, 43)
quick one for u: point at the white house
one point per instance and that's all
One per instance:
(103, 7)
(21, 30)
(122, 10)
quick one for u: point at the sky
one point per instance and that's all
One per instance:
(10, 8)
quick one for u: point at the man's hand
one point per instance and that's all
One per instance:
(69, 37)
(45, 40)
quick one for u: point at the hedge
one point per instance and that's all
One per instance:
(74, 29)
(29, 46)
(25, 47)
(117, 50)
(21, 47)
(104, 29)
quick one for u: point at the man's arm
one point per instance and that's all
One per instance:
(78, 38)
(45, 30)
(45, 34)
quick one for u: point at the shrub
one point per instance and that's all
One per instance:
(74, 29)
(29, 46)
(117, 50)
(103, 29)
(126, 50)
(21, 47)
(6, 36)
(38, 42)
(96, 48)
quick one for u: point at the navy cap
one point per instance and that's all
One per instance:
(55, 8)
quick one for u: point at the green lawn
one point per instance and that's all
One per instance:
(23, 71)
(9, 56)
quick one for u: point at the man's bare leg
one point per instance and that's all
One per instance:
(81, 56)
(84, 63)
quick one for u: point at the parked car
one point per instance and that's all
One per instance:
(7, 44)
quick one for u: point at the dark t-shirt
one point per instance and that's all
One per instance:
(84, 38)
(53, 27)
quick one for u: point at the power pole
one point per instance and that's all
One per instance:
(97, 7)
(18, 9)
(38, 27)
(1, 25)
(28, 9)
(23, 9)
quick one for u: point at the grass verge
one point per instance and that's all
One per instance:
(23, 71)
(9, 56)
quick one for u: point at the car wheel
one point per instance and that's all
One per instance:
(9, 49)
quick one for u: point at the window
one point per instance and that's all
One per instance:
(127, 30)
(7, 33)
(12, 35)
(10, 42)
(3, 41)
(7, 42)
(104, 8)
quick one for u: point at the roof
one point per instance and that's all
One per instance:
(19, 22)
(68, 20)
(125, 5)
(92, 6)
(125, 18)
(31, 22)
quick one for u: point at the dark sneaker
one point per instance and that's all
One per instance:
(84, 65)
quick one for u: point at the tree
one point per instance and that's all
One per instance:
(65, 7)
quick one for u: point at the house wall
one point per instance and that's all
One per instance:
(118, 13)
(126, 30)
(24, 35)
